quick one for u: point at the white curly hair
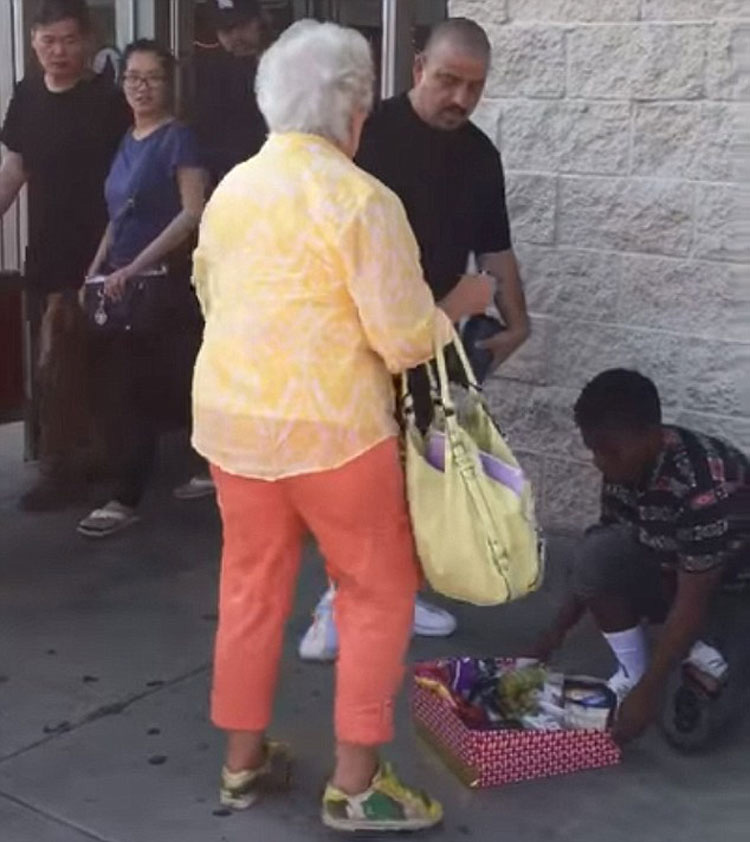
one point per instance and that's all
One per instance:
(314, 79)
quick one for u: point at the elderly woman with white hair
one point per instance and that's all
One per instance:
(310, 282)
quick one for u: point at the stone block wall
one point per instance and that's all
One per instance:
(622, 125)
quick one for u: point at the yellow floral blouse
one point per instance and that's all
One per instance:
(309, 279)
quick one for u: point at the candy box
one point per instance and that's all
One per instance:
(488, 757)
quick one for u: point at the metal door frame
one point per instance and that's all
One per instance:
(398, 20)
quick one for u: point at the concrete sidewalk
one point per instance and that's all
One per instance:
(104, 676)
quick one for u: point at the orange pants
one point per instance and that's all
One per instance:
(359, 517)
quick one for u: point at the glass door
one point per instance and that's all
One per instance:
(407, 25)
(106, 46)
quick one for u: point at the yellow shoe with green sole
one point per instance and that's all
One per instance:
(240, 790)
(388, 805)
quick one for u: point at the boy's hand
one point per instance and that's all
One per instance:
(546, 644)
(636, 713)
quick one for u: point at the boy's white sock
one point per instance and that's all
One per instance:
(631, 650)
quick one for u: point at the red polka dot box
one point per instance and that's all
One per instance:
(489, 758)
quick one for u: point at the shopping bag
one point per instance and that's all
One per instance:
(471, 506)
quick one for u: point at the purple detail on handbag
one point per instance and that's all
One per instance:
(507, 475)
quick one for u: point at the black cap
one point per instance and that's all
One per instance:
(229, 13)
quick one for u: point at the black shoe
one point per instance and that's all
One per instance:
(50, 495)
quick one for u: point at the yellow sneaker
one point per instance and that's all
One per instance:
(240, 790)
(388, 805)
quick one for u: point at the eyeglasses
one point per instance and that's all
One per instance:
(133, 80)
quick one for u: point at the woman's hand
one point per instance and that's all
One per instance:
(472, 295)
(91, 272)
(115, 283)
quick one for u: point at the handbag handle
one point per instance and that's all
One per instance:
(407, 400)
(442, 369)
(440, 385)
(443, 382)
(471, 378)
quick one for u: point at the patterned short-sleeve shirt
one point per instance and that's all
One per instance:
(694, 506)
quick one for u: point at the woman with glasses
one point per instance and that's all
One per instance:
(155, 194)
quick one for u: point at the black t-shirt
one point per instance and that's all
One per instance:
(67, 141)
(450, 182)
(222, 108)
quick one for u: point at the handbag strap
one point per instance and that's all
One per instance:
(407, 400)
(442, 377)
(443, 384)
(471, 378)
(138, 178)
(440, 385)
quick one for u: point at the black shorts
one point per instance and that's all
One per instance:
(611, 561)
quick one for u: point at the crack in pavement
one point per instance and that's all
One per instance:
(110, 709)
(54, 819)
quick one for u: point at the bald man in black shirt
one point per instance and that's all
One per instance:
(448, 174)
(450, 179)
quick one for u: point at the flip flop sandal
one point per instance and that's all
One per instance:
(711, 686)
(106, 521)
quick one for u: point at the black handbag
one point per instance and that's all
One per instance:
(143, 307)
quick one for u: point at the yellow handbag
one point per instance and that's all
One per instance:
(472, 508)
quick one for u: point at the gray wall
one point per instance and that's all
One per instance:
(620, 124)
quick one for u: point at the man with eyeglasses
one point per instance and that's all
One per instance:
(60, 133)
(449, 177)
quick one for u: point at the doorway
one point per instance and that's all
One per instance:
(192, 28)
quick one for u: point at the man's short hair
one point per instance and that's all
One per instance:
(53, 11)
(618, 400)
(463, 33)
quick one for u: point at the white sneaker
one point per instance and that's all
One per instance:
(321, 641)
(621, 684)
(195, 489)
(431, 621)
